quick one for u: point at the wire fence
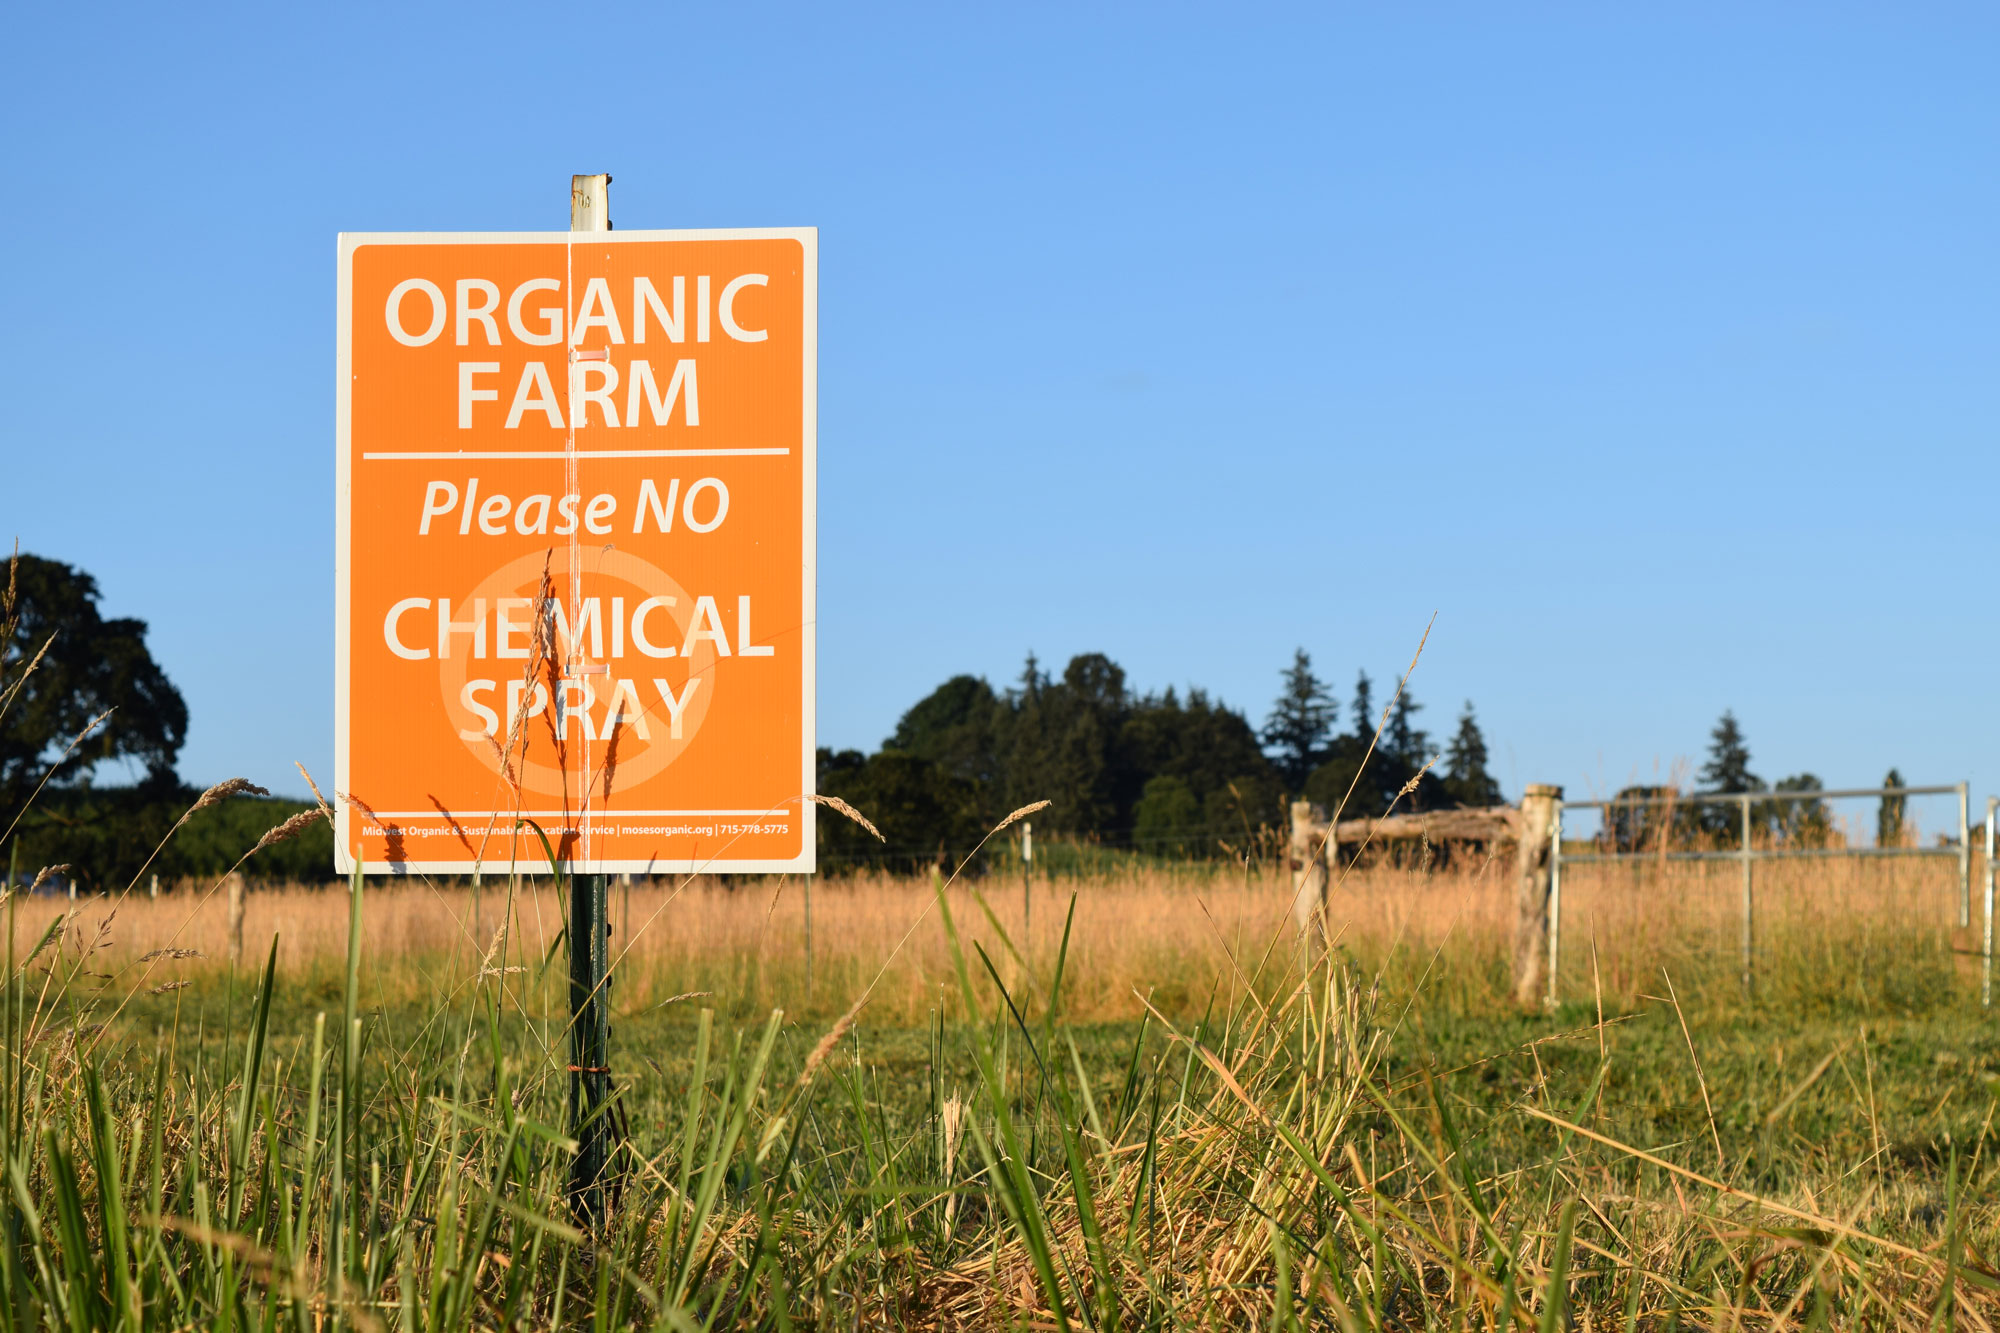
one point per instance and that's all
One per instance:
(1747, 853)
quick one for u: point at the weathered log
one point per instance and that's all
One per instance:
(1498, 823)
(1312, 852)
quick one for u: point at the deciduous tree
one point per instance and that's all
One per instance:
(87, 666)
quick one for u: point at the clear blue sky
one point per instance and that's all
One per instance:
(1655, 353)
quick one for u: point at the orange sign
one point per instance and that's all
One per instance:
(575, 550)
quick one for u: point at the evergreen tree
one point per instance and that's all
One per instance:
(1033, 679)
(1301, 722)
(1362, 784)
(1728, 767)
(1065, 743)
(1361, 778)
(1727, 771)
(1405, 741)
(1889, 818)
(1465, 777)
(1363, 708)
(1205, 743)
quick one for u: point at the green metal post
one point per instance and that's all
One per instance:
(589, 1044)
(589, 919)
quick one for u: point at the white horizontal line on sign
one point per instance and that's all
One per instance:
(447, 456)
(568, 814)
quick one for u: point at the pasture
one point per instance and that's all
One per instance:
(1132, 1115)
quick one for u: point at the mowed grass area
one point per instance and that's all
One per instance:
(1172, 1133)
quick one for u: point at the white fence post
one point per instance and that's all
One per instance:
(1986, 936)
(1027, 878)
(1555, 897)
(1749, 905)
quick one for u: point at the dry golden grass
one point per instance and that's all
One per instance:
(1176, 935)
(1302, 1110)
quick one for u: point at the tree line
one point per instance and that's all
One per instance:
(1801, 820)
(1169, 774)
(64, 665)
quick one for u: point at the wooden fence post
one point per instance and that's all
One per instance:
(1307, 861)
(1531, 893)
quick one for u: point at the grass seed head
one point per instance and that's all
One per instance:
(1022, 813)
(835, 803)
(367, 811)
(324, 807)
(291, 828)
(684, 995)
(486, 967)
(831, 1040)
(223, 790)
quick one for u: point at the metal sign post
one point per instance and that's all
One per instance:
(589, 919)
(589, 1044)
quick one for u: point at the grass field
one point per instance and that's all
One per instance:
(1131, 1114)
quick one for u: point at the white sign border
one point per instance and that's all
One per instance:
(806, 862)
